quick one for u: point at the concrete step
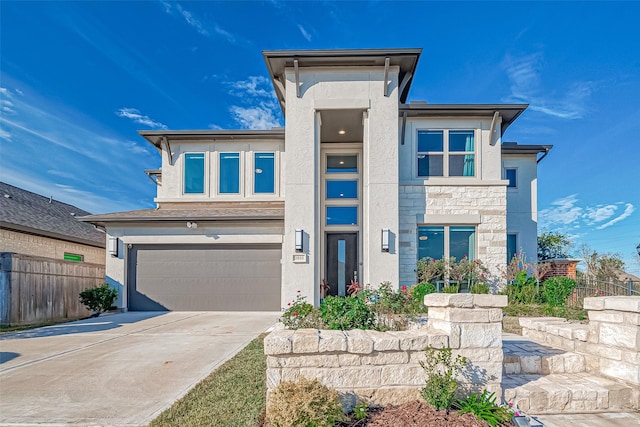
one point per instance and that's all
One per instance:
(580, 392)
(525, 356)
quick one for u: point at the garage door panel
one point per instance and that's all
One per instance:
(194, 277)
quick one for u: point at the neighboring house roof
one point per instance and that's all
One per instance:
(278, 60)
(22, 210)
(224, 212)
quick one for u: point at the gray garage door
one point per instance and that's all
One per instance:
(197, 277)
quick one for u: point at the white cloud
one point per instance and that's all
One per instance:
(304, 33)
(19, 92)
(257, 117)
(224, 33)
(191, 20)
(524, 74)
(563, 212)
(599, 213)
(628, 210)
(134, 114)
(5, 135)
(261, 109)
(215, 126)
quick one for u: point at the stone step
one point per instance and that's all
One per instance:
(525, 356)
(580, 392)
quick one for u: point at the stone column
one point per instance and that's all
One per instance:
(613, 343)
(474, 326)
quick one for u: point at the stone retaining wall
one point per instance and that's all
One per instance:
(383, 367)
(610, 342)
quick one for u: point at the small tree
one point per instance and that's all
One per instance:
(99, 299)
(552, 244)
(602, 267)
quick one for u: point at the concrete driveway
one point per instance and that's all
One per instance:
(116, 369)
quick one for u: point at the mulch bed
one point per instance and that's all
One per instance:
(415, 414)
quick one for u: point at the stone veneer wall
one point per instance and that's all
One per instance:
(610, 342)
(486, 205)
(383, 367)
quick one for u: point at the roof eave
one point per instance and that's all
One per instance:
(50, 234)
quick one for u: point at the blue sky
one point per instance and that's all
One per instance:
(79, 78)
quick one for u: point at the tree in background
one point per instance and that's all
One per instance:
(552, 244)
(601, 266)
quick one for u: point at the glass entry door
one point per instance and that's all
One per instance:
(342, 261)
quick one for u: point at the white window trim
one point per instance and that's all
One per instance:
(241, 173)
(446, 153)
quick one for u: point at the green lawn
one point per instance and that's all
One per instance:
(233, 395)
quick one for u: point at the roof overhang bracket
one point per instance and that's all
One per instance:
(492, 129)
(386, 76)
(404, 127)
(165, 144)
(281, 90)
(405, 81)
(545, 154)
(296, 69)
(150, 175)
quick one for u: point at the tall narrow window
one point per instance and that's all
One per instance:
(229, 180)
(512, 248)
(430, 153)
(461, 153)
(264, 173)
(194, 173)
(511, 175)
(462, 242)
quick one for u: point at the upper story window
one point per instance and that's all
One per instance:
(264, 173)
(229, 177)
(446, 153)
(511, 174)
(194, 173)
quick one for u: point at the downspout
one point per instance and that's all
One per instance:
(403, 129)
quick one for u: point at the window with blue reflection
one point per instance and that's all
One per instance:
(264, 173)
(430, 140)
(342, 215)
(342, 189)
(194, 173)
(342, 164)
(229, 182)
(462, 242)
(431, 242)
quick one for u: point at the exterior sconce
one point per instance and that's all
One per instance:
(385, 240)
(112, 246)
(192, 224)
(299, 240)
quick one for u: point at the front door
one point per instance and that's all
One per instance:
(342, 261)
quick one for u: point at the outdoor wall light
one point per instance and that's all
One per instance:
(299, 240)
(112, 246)
(191, 224)
(385, 240)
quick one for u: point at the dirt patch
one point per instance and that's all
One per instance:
(415, 414)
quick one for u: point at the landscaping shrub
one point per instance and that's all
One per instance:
(429, 270)
(480, 288)
(556, 290)
(484, 407)
(418, 292)
(306, 403)
(451, 289)
(99, 299)
(442, 372)
(345, 313)
(300, 314)
(389, 301)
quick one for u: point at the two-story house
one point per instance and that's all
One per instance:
(358, 186)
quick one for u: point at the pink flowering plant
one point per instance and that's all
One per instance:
(300, 314)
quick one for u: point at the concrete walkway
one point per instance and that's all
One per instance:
(117, 369)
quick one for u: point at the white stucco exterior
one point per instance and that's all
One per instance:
(321, 92)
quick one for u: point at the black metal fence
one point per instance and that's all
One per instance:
(589, 287)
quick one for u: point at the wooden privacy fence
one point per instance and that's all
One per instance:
(35, 289)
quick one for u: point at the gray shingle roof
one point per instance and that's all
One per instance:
(29, 212)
